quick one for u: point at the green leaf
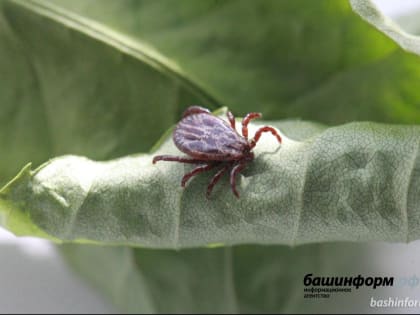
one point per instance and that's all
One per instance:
(356, 182)
(368, 11)
(105, 79)
(72, 86)
(240, 279)
(290, 59)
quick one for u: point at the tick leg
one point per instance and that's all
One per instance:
(235, 170)
(231, 119)
(197, 170)
(216, 178)
(174, 158)
(246, 121)
(259, 132)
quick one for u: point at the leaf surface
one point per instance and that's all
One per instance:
(356, 182)
(72, 86)
(368, 11)
(105, 79)
(289, 59)
(239, 279)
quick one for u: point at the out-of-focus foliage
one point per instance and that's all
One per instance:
(105, 79)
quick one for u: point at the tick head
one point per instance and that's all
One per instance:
(248, 155)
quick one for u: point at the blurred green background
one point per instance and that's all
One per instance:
(105, 79)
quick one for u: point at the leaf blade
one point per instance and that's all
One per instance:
(56, 86)
(369, 12)
(355, 182)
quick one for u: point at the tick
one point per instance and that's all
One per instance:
(211, 142)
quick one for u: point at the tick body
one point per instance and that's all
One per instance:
(211, 142)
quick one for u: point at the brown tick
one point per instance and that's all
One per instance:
(211, 142)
